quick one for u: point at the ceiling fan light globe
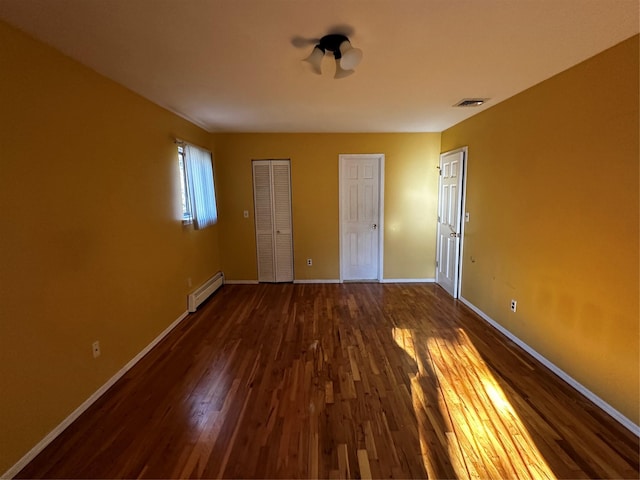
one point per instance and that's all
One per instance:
(342, 72)
(350, 57)
(315, 60)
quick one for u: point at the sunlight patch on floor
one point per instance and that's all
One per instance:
(462, 410)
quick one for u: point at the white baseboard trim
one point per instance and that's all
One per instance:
(324, 280)
(408, 280)
(335, 280)
(41, 445)
(615, 414)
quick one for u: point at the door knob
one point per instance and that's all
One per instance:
(375, 226)
(454, 234)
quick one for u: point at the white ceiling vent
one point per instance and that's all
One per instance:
(471, 102)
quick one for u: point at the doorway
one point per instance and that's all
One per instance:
(361, 218)
(450, 226)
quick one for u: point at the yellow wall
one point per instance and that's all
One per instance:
(553, 201)
(91, 246)
(411, 184)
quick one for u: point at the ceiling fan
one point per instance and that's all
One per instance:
(336, 42)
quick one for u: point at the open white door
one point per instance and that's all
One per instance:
(360, 217)
(450, 197)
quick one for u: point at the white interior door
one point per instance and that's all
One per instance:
(360, 219)
(450, 220)
(274, 234)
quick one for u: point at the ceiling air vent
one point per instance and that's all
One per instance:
(471, 102)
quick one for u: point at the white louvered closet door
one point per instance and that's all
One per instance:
(274, 235)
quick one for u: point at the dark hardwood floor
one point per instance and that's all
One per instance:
(339, 381)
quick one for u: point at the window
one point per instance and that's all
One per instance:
(198, 190)
(186, 209)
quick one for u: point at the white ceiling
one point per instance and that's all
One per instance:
(235, 65)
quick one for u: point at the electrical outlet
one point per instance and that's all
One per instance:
(309, 262)
(95, 346)
(514, 305)
(246, 214)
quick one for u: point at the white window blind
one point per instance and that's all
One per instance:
(200, 186)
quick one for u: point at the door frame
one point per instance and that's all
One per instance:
(380, 157)
(462, 219)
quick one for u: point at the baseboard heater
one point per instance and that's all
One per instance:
(204, 291)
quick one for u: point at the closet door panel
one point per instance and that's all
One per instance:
(264, 221)
(274, 234)
(282, 218)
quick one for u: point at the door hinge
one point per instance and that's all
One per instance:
(437, 263)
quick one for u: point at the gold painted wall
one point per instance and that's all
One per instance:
(91, 246)
(553, 201)
(411, 184)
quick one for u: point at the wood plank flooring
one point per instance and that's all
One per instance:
(339, 381)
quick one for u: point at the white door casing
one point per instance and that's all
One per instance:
(450, 200)
(274, 234)
(361, 200)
